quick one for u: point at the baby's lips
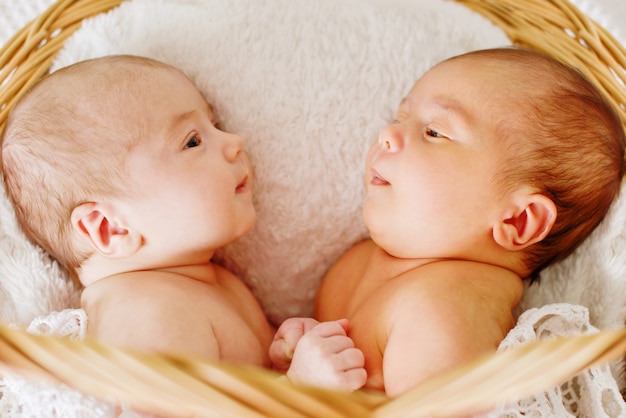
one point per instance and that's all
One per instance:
(377, 179)
(242, 186)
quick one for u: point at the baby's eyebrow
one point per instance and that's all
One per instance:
(449, 105)
(180, 118)
(454, 108)
(174, 123)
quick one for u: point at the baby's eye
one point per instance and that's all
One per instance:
(434, 134)
(194, 141)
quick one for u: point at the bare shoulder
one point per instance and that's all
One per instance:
(359, 249)
(352, 262)
(137, 290)
(461, 305)
(201, 310)
(152, 311)
(443, 314)
(467, 291)
(342, 277)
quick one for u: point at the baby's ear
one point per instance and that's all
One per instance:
(527, 223)
(99, 225)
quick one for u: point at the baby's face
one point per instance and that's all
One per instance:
(192, 182)
(429, 176)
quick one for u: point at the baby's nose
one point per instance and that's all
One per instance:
(391, 139)
(233, 146)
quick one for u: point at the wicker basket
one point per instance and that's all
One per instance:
(183, 386)
(179, 386)
(555, 27)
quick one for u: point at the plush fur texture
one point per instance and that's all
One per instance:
(308, 85)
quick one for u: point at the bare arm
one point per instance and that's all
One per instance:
(445, 320)
(422, 342)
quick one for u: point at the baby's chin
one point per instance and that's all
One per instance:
(390, 249)
(249, 224)
(377, 224)
(392, 244)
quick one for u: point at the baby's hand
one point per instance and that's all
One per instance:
(285, 340)
(326, 356)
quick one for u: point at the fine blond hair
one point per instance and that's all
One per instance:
(62, 146)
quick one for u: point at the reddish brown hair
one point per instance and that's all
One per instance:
(566, 141)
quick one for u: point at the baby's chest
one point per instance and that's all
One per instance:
(367, 330)
(240, 343)
(240, 329)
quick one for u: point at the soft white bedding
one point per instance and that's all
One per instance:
(308, 105)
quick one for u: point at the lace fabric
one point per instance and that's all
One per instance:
(593, 393)
(27, 399)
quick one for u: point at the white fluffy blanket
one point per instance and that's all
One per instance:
(308, 85)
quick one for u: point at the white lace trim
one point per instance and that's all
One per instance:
(68, 323)
(25, 399)
(593, 393)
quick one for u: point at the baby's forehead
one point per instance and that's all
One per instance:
(495, 83)
(469, 77)
(117, 100)
(126, 90)
(480, 70)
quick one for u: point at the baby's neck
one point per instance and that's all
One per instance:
(98, 267)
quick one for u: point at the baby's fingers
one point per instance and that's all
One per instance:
(280, 354)
(350, 358)
(286, 339)
(292, 329)
(331, 328)
(351, 374)
(353, 379)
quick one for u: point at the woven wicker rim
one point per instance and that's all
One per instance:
(181, 386)
(555, 27)
(27, 56)
(560, 30)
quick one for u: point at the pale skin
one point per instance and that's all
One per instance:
(326, 355)
(149, 283)
(413, 320)
(438, 281)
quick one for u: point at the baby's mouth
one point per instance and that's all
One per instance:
(377, 179)
(242, 186)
